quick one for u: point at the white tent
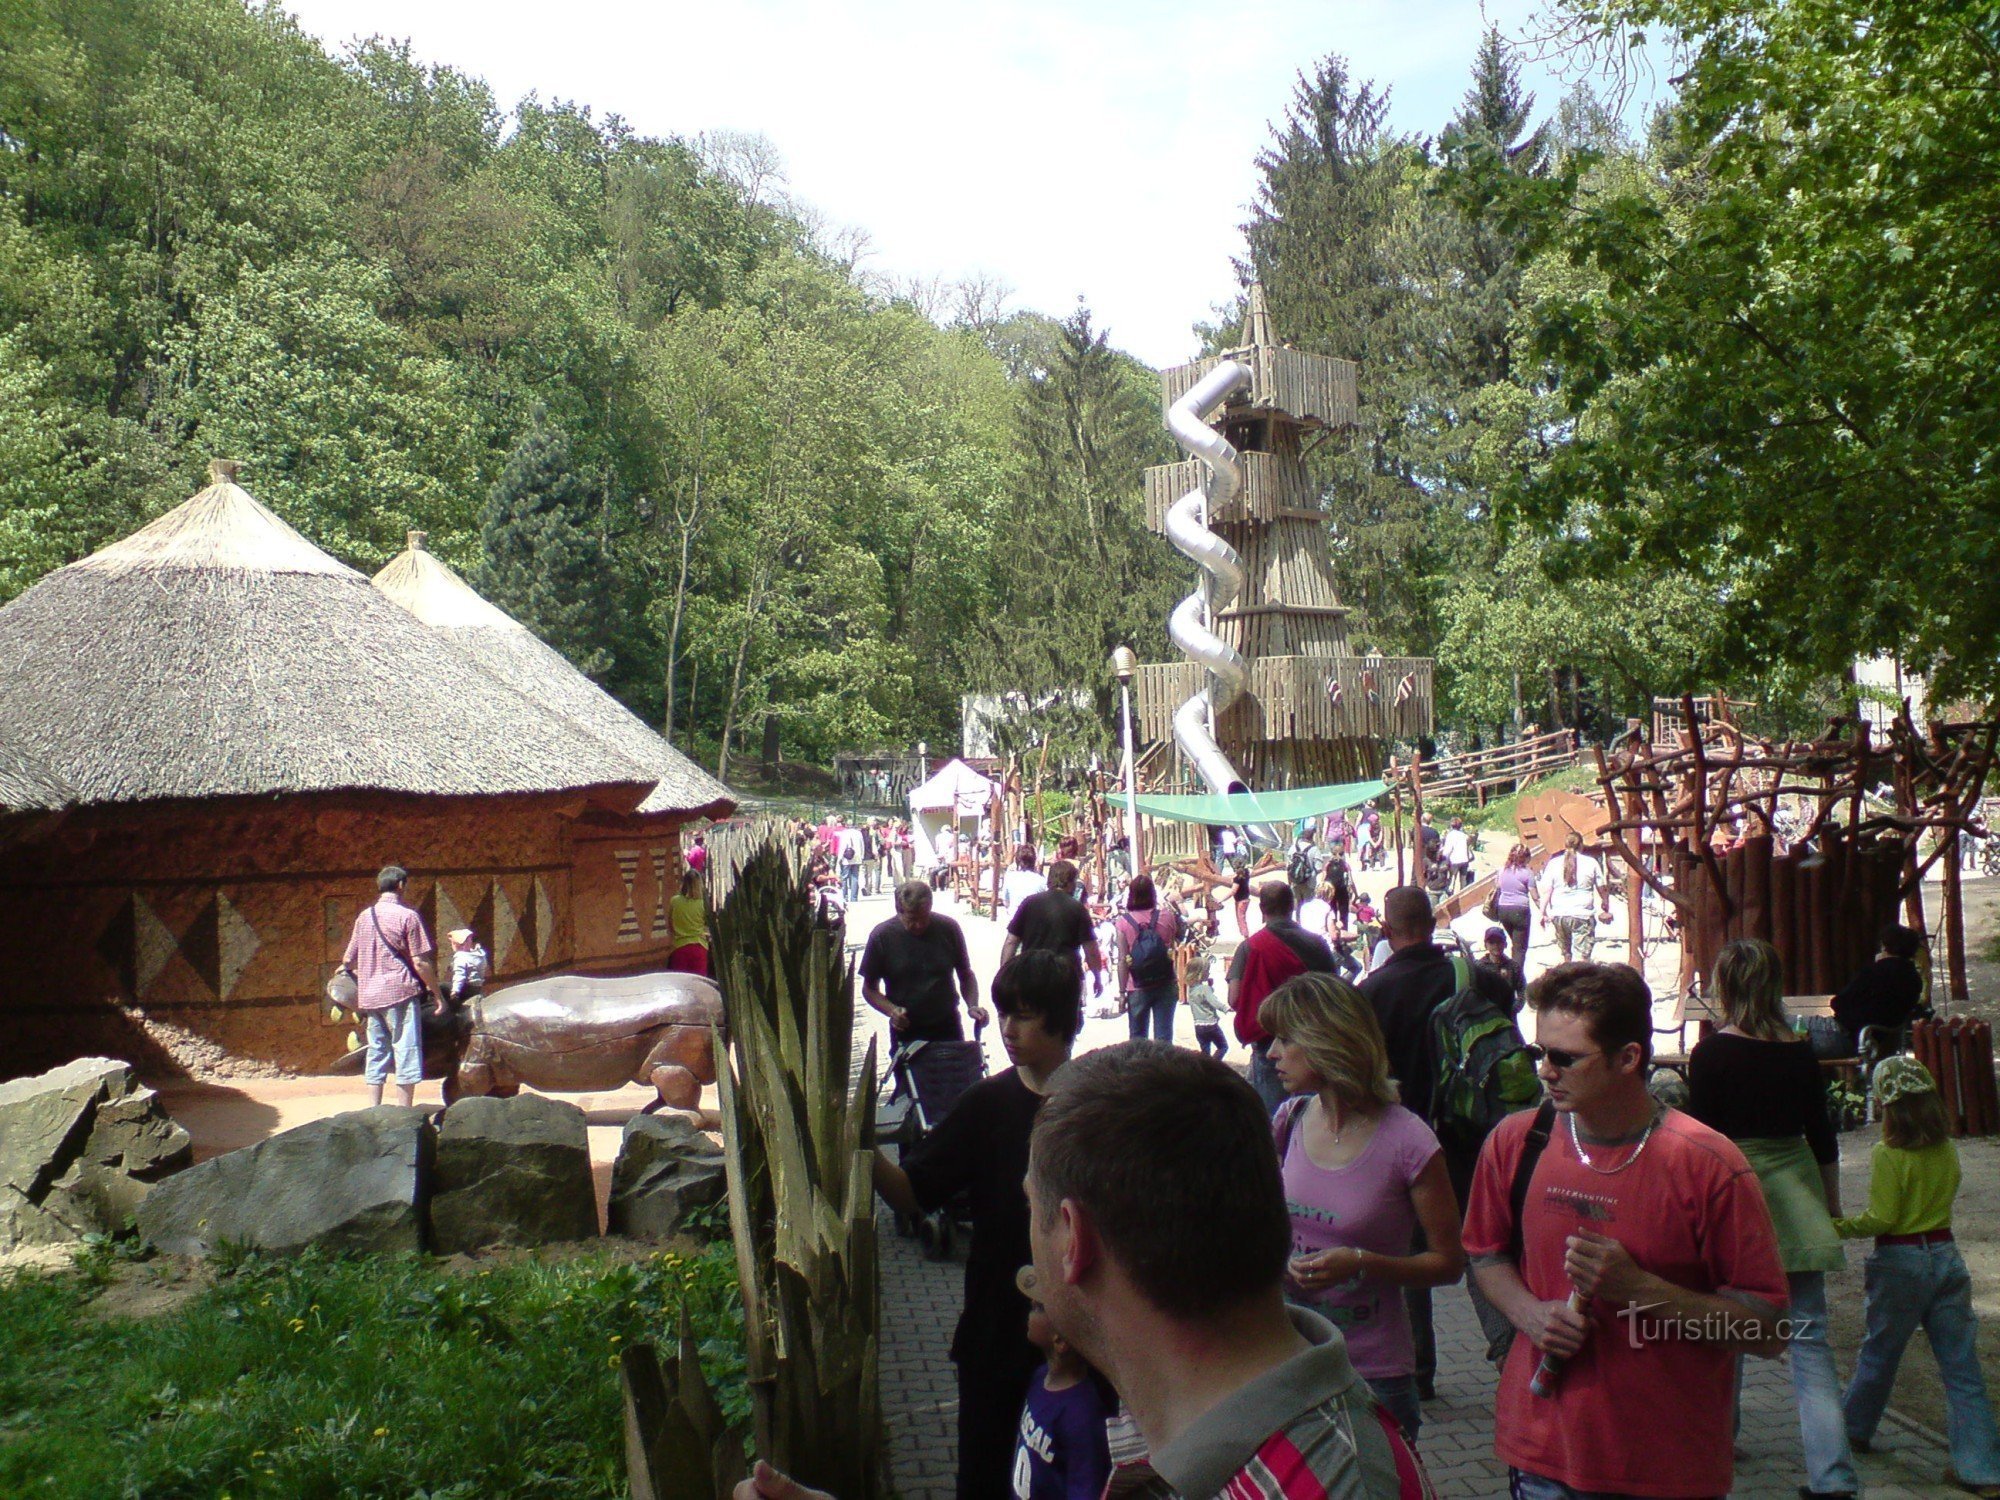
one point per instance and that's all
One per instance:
(954, 796)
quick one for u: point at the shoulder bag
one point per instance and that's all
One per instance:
(401, 957)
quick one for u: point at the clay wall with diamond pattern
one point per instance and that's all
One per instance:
(225, 919)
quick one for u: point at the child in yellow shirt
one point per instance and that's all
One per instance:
(1916, 1276)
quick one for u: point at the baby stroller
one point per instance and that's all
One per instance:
(925, 1080)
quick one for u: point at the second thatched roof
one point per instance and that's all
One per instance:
(217, 652)
(510, 651)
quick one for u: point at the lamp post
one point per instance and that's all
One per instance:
(1123, 664)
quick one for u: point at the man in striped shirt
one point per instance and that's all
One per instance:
(1160, 1238)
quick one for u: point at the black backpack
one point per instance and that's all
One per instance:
(1150, 961)
(1484, 1072)
(1300, 870)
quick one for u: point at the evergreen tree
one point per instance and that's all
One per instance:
(1348, 247)
(1493, 118)
(543, 562)
(1075, 572)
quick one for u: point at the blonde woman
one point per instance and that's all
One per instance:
(1757, 1082)
(687, 927)
(1362, 1176)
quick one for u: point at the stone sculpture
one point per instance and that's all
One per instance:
(573, 1033)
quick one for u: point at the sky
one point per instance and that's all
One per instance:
(1102, 151)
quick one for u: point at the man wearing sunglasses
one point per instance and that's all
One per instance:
(1642, 1262)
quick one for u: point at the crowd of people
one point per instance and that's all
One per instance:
(1185, 1280)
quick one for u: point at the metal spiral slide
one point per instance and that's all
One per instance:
(1187, 529)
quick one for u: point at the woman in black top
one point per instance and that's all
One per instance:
(1757, 1082)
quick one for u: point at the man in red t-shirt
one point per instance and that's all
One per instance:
(1263, 961)
(1645, 1261)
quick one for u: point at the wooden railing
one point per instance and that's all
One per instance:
(1480, 773)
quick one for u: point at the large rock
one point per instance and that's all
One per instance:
(666, 1169)
(352, 1183)
(512, 1172)
(78, 1148)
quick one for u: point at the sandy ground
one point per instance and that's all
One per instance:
(224, 1117)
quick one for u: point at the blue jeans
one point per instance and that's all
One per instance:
(1910, 1285)
(850, 883)
(1521, 1485)
(395, 1035)
(1264, 1077)
(1816, 1388)
(1399, 1394)
(1154, 1007)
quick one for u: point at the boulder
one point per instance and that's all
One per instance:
(79, 1147)
(512, 1172)
(666, 1169)
(350, 1183)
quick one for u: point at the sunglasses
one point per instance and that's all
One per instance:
(1558, 1059)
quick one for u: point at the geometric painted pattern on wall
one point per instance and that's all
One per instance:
(506, 930)
(214, 948)
(545, 920)
(529, 916)
(219, 945)
(449, 915)
(628, 871)
(660, 893)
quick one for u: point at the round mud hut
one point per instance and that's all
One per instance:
(245, 730)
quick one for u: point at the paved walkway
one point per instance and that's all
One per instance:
(920, 1301)
(921, 1298)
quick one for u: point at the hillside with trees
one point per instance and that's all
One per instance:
(1633, 420)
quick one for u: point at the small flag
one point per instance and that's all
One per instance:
(1406, 687)
(1334, 691)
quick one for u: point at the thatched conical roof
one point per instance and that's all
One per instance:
(216, 652)
(510, 651)
(26, 786)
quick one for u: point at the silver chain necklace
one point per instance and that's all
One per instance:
(1638, 1151)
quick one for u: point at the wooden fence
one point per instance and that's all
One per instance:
(1480, 773)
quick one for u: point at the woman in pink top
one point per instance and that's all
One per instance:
(1362, 1176)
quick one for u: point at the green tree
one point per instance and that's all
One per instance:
(1788, 374)
(1075, 572)
(542, 560)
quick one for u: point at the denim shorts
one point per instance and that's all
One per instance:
(395, 1036)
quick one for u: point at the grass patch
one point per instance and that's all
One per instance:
(318, 1377)
(1497, 816)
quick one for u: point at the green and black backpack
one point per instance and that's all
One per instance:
(1484, 1072)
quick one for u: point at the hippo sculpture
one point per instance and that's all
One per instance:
(573, 1033)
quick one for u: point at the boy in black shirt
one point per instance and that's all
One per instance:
(981, 1148)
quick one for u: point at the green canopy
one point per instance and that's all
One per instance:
(1263, 807)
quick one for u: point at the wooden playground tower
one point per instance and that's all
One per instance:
(1312, 713)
